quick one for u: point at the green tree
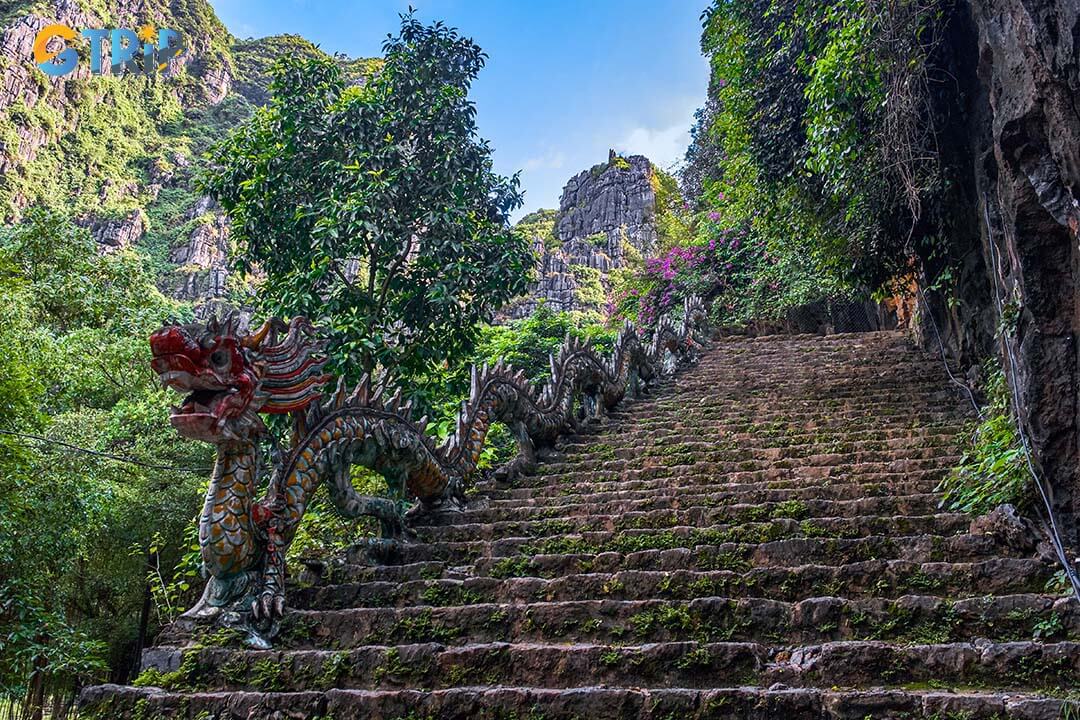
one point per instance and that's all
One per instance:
(76, 391)
(374, 207)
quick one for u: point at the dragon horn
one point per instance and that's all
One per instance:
(339, 394)
(362, 394)
(230, 322)
(255, 339)
(394, 402)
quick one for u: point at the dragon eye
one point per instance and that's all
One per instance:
(219, 357)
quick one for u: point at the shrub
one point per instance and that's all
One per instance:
(992, 470)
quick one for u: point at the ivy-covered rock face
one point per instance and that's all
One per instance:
(609, 217)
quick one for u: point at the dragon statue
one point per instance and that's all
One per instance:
(230, 379)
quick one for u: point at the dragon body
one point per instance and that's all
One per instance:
(231, 378)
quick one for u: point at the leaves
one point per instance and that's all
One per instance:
(74, 367)
(376, 210)
(993, 469)
(815, 135)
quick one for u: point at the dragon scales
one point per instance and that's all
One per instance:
(231, 378)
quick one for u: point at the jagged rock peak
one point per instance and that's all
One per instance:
(607, 219)
(609, 196)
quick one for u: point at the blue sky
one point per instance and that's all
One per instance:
(564, 80)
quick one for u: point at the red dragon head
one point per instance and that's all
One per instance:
(228, 377)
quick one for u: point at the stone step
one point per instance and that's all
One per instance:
(684, 480)
(907, 619)
(814, 466)
(595, 703)
(688, 503)
(688, 664)
(868, 578)
(656, 423)
(721, 493)
(896, 407)
(633, 539)
(755, 440)
(360, 566)
(610, 532)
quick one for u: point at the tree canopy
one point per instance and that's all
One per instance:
(77, 394)
(374, 208)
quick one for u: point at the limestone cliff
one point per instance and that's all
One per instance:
(607, 220)
(121, 153)
(1011, 145)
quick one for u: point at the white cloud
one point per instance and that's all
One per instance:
(550, 160)
(664, 146)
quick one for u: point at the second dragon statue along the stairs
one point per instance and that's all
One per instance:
(230, 378)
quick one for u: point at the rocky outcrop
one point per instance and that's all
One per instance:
(118, 233)
(202, 271)
(606, 219)
(616, 199)
(27, 96)
(21, 83)
(1011, 144)
(39, 118)
(22, 86)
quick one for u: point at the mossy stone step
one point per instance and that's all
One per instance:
(758, 537)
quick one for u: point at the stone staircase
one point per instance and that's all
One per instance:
(760, 538)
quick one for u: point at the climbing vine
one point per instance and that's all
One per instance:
(814, 137)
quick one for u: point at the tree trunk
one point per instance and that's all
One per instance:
(144, 616)
(35, 696)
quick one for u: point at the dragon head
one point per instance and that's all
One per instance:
(229, 377)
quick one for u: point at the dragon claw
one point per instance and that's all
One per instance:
(268, 606)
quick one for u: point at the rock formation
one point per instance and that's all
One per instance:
(607, 219)
(138, 195)
(1011, 146)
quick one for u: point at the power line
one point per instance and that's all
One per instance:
(106, 456)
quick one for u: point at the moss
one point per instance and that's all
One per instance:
(675, 618)
(444, 595)
(422, 628)
(267, 675)
(699, 657)
(331, 670)
(611, 658)
(510, 567)
(590, 290)
(235, 671)
(600, 451)
(184, 677)
(794, 509)
(222, 637)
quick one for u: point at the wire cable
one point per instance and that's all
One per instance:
(96, 453)
(1045, 492)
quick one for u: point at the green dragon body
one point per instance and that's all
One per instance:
(230, 378)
